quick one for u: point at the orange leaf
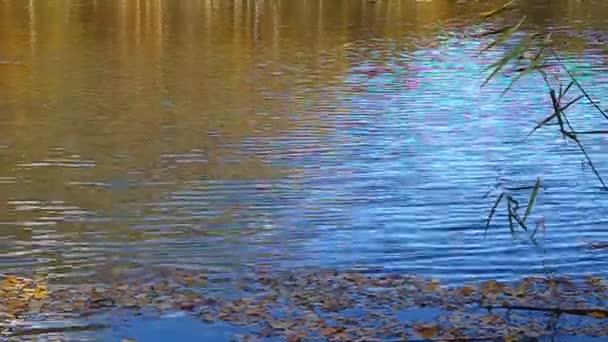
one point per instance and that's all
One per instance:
(427, 331)
(432, 285)
(598, 314)
(491, 287)
(466, 290)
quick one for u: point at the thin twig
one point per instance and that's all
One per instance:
(578, 85)
(75, 328)
(582, 148)
(557, 111)
(577, 312)
(492, 211)
(592, 132)
(572, 102)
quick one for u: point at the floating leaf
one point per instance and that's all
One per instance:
(426, 330)
(10, 281)
(433, 285)
(40, 292)
(466, 290)
(592, 280)
(331, 330)
(296, 336)
(520, 289)
(256, 311)
(491, 287)
(492, 319)
(598, 314)
(280, 324)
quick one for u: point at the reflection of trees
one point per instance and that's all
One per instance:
(102, 78)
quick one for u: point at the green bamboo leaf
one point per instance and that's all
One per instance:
(532, 199)
(488, 14)
(515, 52)
(506, 33)
(533, 65)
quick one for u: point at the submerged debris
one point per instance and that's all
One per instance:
(335, 306)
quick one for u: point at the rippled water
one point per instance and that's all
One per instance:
(222, 135)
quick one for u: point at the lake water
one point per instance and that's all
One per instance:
(225, 135)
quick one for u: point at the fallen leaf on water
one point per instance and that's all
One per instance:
(26, 294)
(280, 325)
(295, 336)
(426, 330)
(491, 287)
(492, 319)
(521, 288)
(331, 305)
(10, 281)
(432, 285)
(593, 280)
(597, 314)
(127, 340)
(40, 292)
(466, 290)
(330, 330)
(256, 311)
(35, 305)
(353, 277)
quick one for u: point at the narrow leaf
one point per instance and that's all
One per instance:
(527, 187)
(543, 123)
(532, 66)
(531, 200)
(507, 57)
(506, 34)
(498, 10)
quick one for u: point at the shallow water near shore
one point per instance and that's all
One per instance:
(226, 136)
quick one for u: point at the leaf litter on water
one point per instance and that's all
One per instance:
(320, 304)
